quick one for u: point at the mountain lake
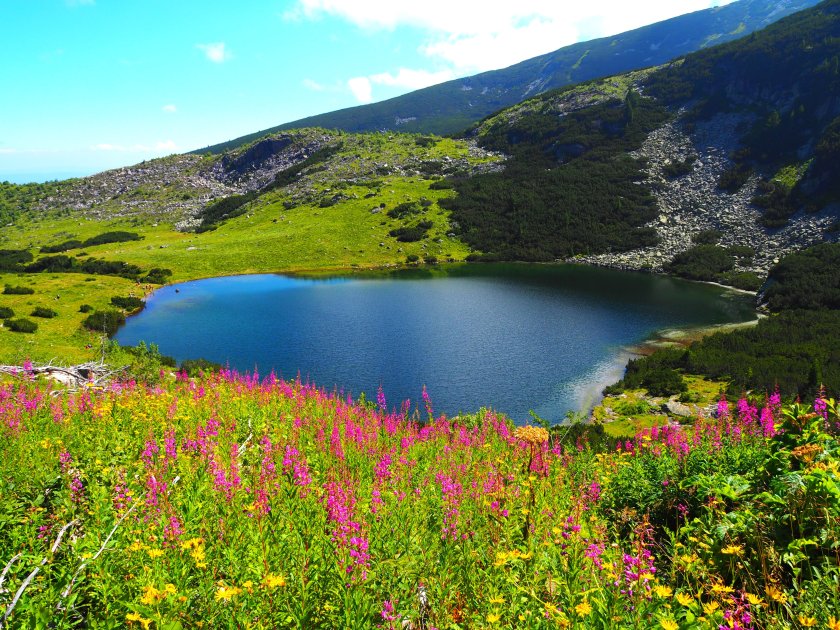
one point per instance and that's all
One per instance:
(513, 337)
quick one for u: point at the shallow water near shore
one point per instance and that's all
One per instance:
(512, 337)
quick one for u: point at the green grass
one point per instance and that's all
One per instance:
(268, 238)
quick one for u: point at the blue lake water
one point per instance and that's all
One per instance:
(511, 337)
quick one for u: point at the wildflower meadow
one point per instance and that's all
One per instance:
(235, 501)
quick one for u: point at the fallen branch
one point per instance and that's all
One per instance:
(95, 373)
(35, 571)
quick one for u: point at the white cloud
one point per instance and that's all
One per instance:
(475, 35)
(411, 79)
(361, 88)
(170, 108)
(159, 148)
(313, 85)
(215, 52)
(166, 145)
(7, 150)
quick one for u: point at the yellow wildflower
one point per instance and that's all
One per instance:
(669, 624)
(710, 608)
(718, 587)
(170, 588)
(493, 618)
(136, 617)
(136, 546)
(497, 600)
(685, 599)
(807, 622)
(833, 623)
(273, 581)
(583, 609)
(776, 594)
(227, 592)
(733, 550)
(154, 553)
(192, 543)
(663, 591)
(647, 575)
(151, 595)
(755, 600)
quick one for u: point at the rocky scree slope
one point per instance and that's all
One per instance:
(743, 138)
(179, 188)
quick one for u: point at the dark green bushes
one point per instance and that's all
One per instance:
(85, 308)
(46, 313)
(568, 188)
(6, 312)
(403, 210)
(194, 367)
(99, 239)
(21, 325)
(17, 290)
(410, 234)
(655, 373)
(702, 262)
(107, 322)
(157, 275)
(13, 260)
(809, 279)
(128, 303)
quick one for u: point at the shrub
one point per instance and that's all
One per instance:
(21, 325)
(6, 312)
(128, 303)
(107, 322)
(46, 313)
(404, 210)
(85, 308)
(194, 367)
(157, 275)
(412, 258)
(707, 237)
(10, 290)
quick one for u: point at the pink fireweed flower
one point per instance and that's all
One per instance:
(722, 408)
(388, 610)
(77, 490)
(380, 399)
(172, 531)
(768, 424)
(64, 459)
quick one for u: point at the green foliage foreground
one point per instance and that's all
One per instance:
(226, 501)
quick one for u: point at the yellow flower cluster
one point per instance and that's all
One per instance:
(503, 557)
(152, 595)
(273, 581)
(139, 619)
(531, 434)
(196, 548)
(227, 592)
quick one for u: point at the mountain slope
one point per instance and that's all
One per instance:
(602, 171)
(452, 106)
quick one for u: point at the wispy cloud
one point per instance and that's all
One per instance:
(361, 88)
(161, 146)
(475, 35)
(170, 108)
(7, 150)
(215, 52)
(313, 85)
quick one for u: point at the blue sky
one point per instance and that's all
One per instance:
(96, 84)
